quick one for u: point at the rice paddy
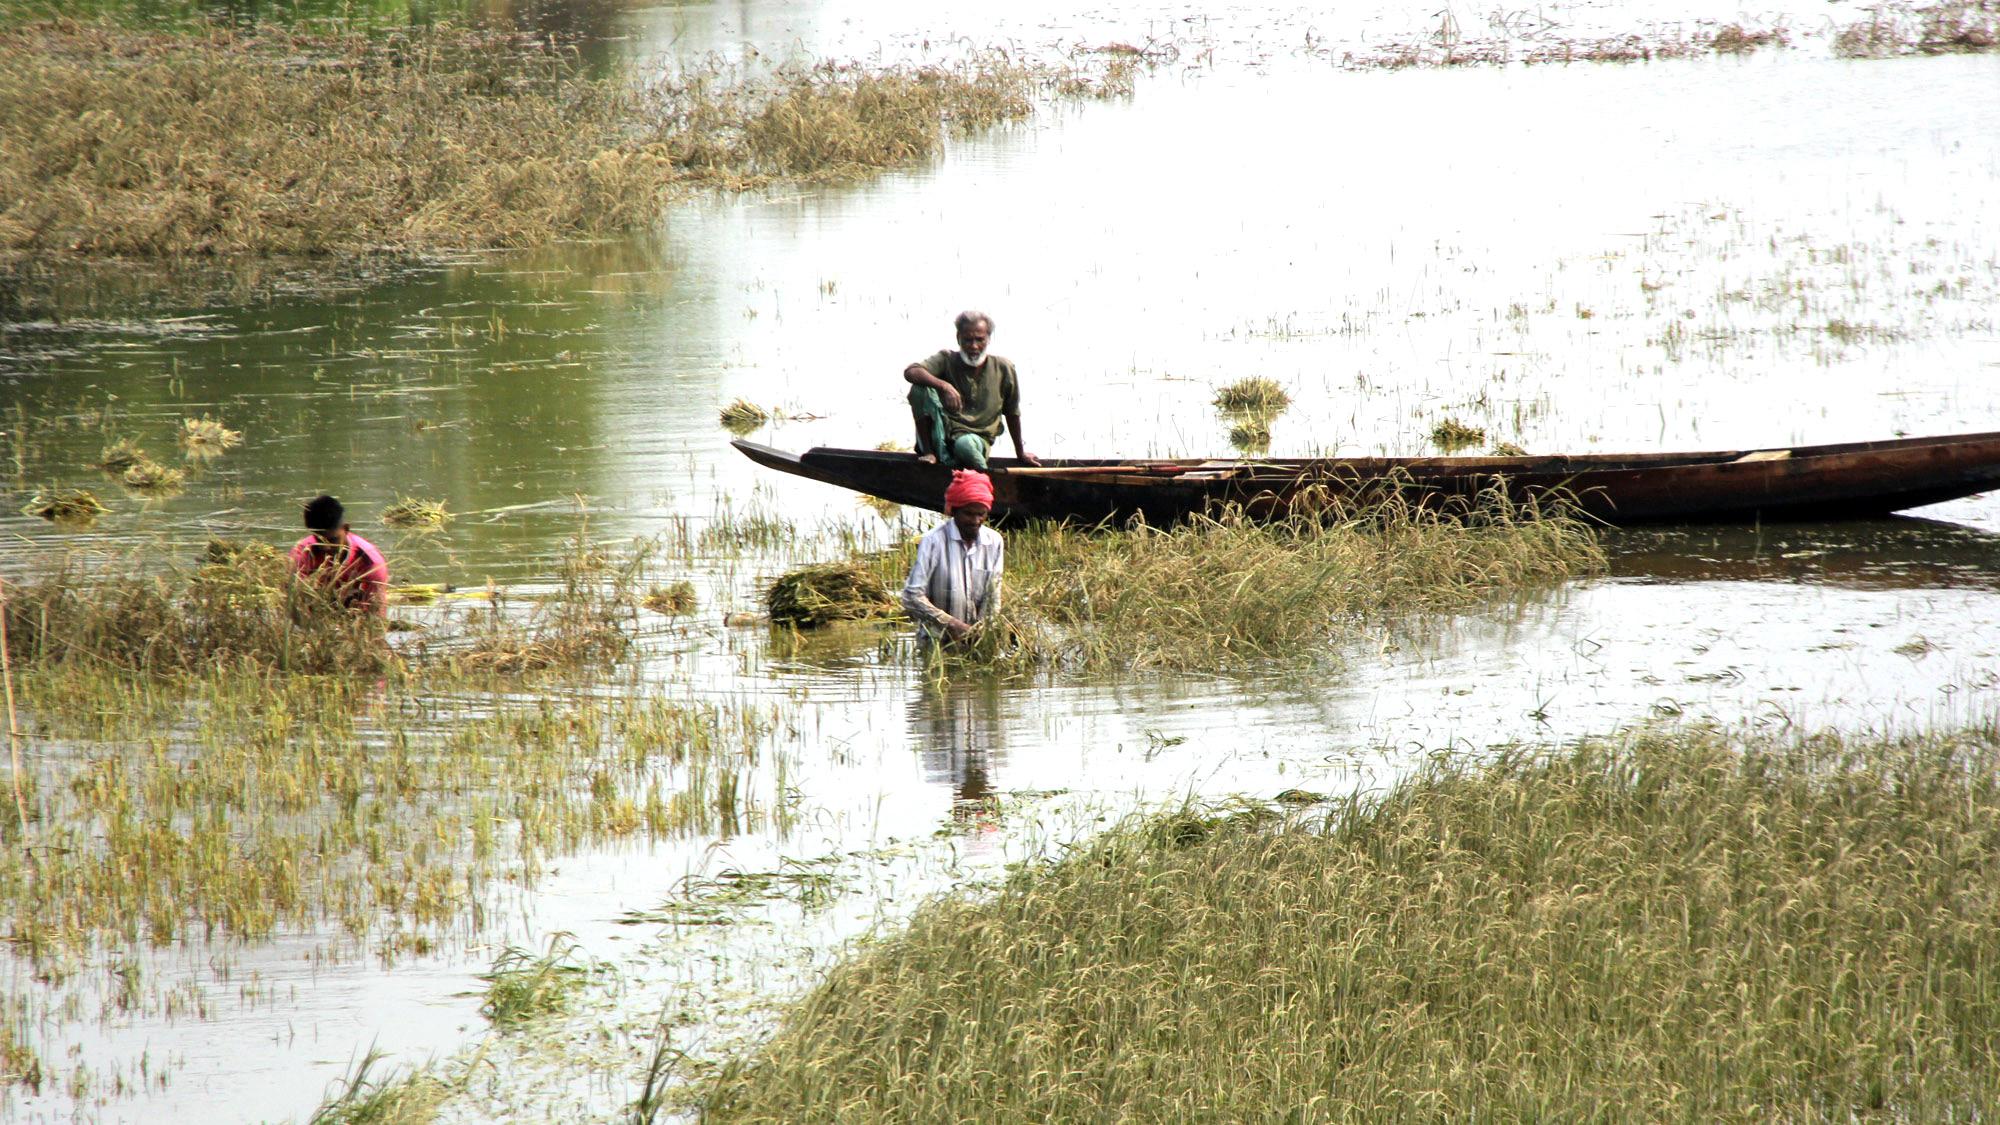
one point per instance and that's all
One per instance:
(1254, 395)
(356, 817)
(210, 144)
(1674, 924)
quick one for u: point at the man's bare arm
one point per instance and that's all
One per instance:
(918, 374)
(1020, 450)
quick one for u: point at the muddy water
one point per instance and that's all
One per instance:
(1679, 255)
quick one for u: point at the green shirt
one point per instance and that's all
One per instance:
(985, 392)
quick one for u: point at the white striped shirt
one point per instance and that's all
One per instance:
(952, 578)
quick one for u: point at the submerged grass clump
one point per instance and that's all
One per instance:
(410, 512)
(1452, 435)
(206, 437)
(1256, 394)
(1251, 435)
(818, 595)
(394, 1098)
(742, 416)
(121, 455)
(147, 475)
(522, 987)
(1679, 925)
(676, 600)
(66, 506)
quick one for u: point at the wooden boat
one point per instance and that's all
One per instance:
(1817, 482)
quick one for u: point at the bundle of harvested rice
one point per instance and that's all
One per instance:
(428, 515)
(812, 596)
(206, 436)
(676, 600)
(66, 505)
(146, 475)
(1452, 435)
(742, 416)
(1256, 394)
(121, 455)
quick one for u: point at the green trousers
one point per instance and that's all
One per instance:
(966, 451)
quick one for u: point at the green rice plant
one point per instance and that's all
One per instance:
(742, 416)
(522, 987)
(1451, 435)
(1229, 591)
(412, 1098)
(1679, 924)
(676, 600)
(78, 506)
(410, 512)
(1256, 394)
(817, 595)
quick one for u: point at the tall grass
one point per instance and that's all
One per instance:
(1228, 591)
(1668, 927)
(269, 141)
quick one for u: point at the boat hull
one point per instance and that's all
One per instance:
(1855, 480)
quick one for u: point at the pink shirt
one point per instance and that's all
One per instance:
(362, 579)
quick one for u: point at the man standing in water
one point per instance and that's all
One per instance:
(955, 582)
(959, 399)
(349, 567)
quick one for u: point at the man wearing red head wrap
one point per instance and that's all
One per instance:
(955, 582)
(961, 399)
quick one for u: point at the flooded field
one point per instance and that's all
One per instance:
(1718, 251)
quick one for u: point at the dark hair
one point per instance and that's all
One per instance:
(970, 317)
(324, 513)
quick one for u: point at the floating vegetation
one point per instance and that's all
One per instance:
(422, 515)
(676, 600)
(66, 505)
(742, 416)
(205, 436)
(1676, 924)
(1251, 435)
(147, 475)
(121, 455)
(1451, 435)
(522, 987)
(1253, 395)
(891, 447)
(813, 596)
(1508, 449)
(1734, 39)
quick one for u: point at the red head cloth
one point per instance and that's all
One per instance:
(968, 487)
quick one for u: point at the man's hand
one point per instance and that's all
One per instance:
(948, 395)
(1028, 457)
(955, 629)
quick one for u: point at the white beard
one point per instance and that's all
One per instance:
(973, 361)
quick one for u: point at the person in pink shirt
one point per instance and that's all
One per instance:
(349, 566)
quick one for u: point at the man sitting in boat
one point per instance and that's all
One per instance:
(960, 399)
(349, 567)
(955, 582)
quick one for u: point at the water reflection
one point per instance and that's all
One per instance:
(1893, 554)
(957, 731)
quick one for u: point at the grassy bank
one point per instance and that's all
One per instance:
(1222, 593)
(273, 141)
(1673, 926)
